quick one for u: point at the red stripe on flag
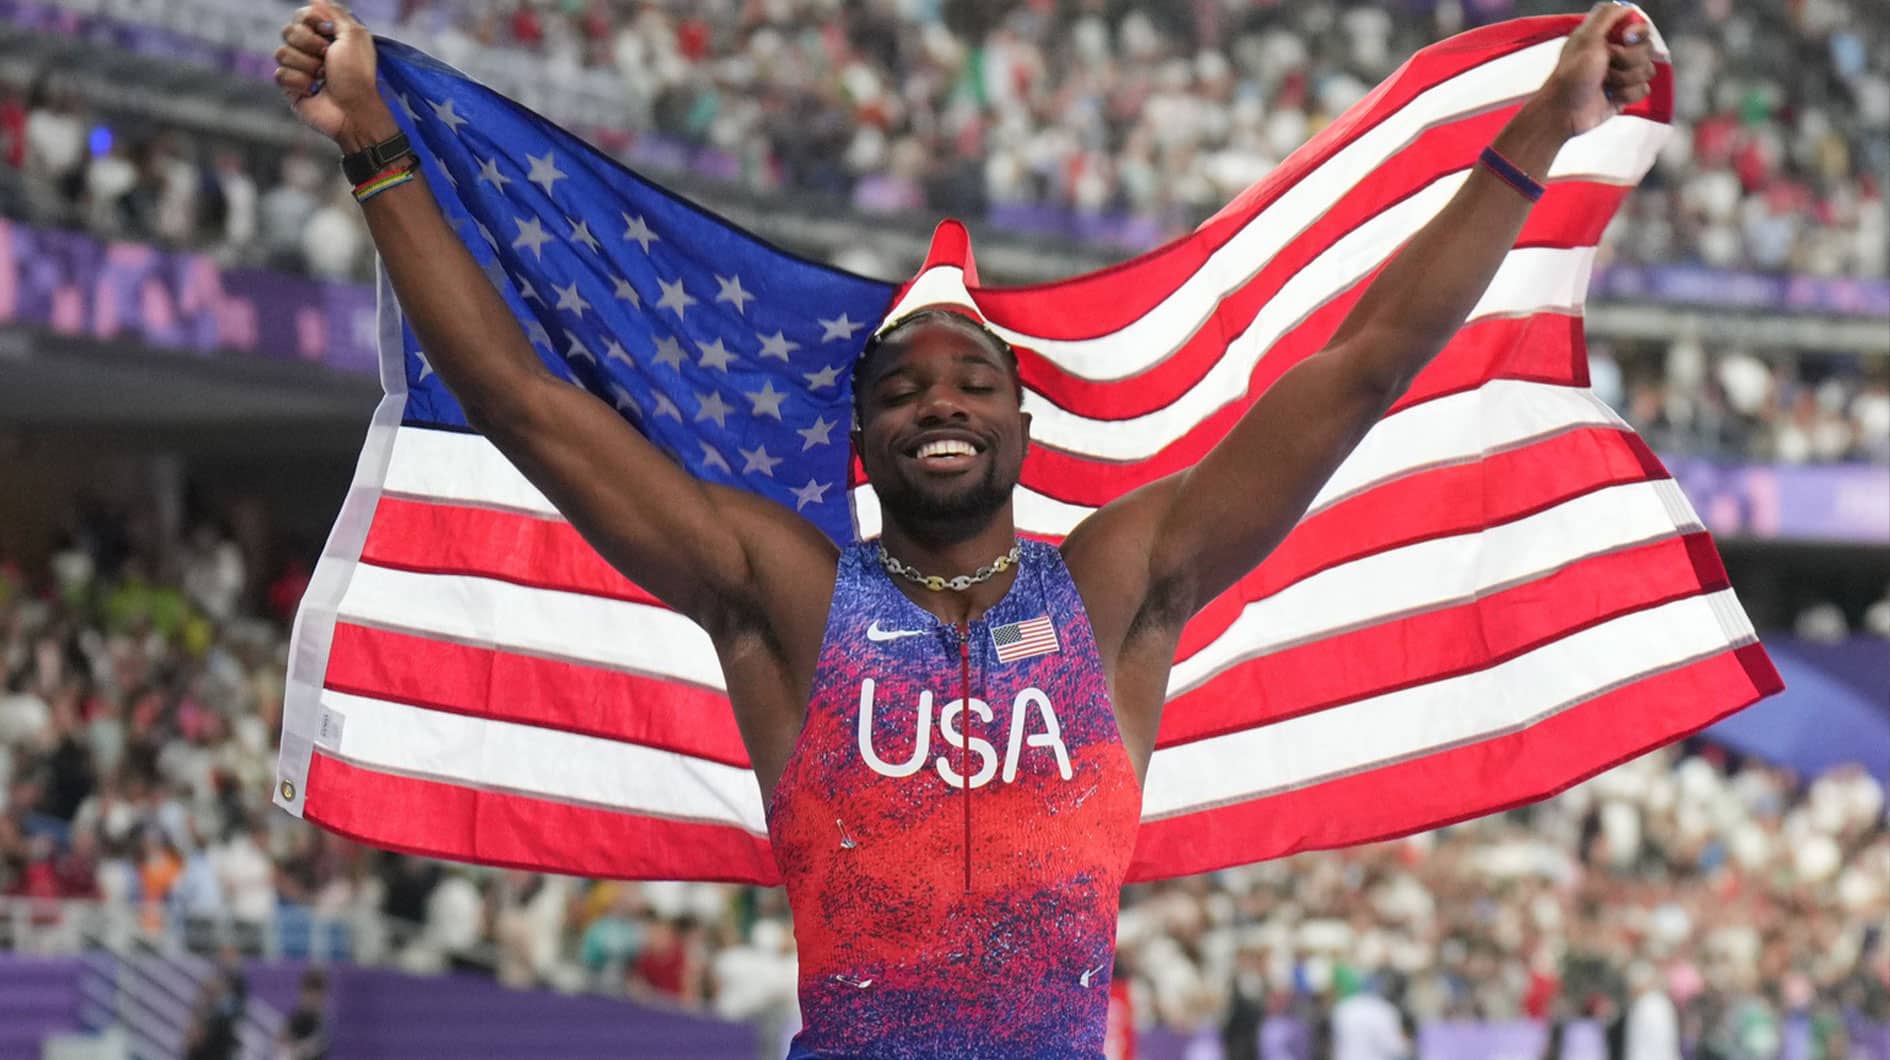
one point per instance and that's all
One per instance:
(1427, 505)
(1444, 787)
(666, 714)
(441, 820)
(430, 537)
(1406, 652)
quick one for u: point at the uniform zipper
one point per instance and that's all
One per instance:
(964, 735)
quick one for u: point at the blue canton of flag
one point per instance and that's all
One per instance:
(731, 355)
(1021, 640)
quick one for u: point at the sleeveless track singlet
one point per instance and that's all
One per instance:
(898, 957)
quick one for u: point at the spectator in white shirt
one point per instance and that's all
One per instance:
(1653, 1024)
(1365, 1026)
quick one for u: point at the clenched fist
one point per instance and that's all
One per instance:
(1606, 66)
(325, 69)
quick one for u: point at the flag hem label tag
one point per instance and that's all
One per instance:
(328, 731)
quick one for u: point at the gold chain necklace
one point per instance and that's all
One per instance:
(959, 583)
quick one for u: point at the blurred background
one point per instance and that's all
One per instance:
(187, 367)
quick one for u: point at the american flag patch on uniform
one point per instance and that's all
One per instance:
(1021, 640)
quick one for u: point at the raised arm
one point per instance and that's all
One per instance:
(706, 550)
(1171, 547)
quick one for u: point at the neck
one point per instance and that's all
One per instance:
(949, 554)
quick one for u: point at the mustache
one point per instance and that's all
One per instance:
(972, 504)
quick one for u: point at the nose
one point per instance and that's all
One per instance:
(940, 404)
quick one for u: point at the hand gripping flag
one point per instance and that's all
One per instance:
(1500, 593)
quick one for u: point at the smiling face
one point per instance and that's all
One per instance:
(942, 433)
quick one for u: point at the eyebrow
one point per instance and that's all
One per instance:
(976, 360)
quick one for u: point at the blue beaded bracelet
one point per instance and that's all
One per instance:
(1511, 174)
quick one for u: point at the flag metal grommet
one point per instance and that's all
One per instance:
(288, 790)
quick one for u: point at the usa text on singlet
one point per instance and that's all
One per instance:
(898, 957)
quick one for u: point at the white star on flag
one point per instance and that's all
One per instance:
(638, 232)
(489, 174)
(537, 333)
(533, 237)
(812, 493)
(666, 407)
(613, 350)
(570, 298)
(545, 172)
(674, 297)
(627, 292)
(840, 327)
(711, 458)
(713, 408)
(581, 233)
(625, 400)
(819, 434)
(406, 107)
(669, 351)
(426, 366)
(715, 355)
(821, 380)
(446, 113)
(575, 348)
(758, 460)
(732, 292)
(767, 400)
(777, 345)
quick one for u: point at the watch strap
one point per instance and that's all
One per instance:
(362, 166)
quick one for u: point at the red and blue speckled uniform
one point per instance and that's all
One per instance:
(914, 942)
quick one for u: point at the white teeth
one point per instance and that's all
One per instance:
(946, 447)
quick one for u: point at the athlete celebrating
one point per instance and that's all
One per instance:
(957, 900)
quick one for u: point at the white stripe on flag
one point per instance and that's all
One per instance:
(1440, 714)
(544, 763)
(548, 623)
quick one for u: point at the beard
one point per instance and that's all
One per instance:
(958, 509)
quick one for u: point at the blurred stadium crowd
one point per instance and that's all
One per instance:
(1157, 112)
(1146, 110)
(1698, 895)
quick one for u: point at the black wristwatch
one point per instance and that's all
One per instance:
(362, 166)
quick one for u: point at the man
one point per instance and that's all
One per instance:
(1367, 1026)
(304, 1035)
(961, 903)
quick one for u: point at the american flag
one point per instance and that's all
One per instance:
(1021, 640)
(1500, 593)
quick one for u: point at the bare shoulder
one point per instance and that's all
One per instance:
(1108, 555)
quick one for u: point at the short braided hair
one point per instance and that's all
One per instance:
(932, 315)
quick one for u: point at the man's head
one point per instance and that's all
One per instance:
(939, 422)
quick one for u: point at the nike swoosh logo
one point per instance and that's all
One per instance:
(881, 636)
(1084, 981)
